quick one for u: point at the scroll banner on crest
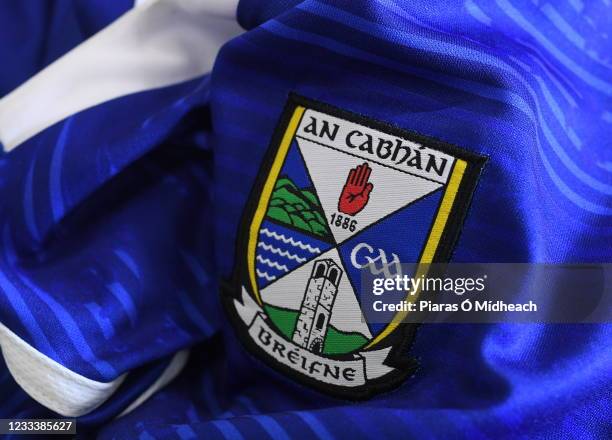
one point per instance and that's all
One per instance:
(365, 366)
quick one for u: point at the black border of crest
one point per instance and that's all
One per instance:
(402, 338)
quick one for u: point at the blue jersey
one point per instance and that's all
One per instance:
(189, 190)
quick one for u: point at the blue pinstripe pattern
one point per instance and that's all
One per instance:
(54, 297)
(28, 203)
(315, 425)
(228, 430)
(27, 318)
(55, 173)
(128, 261)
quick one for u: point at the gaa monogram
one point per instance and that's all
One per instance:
(339, 194)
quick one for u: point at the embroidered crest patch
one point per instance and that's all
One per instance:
(338, 193)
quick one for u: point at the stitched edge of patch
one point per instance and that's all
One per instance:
(401, 338)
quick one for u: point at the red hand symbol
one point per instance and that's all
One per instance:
(356, 192)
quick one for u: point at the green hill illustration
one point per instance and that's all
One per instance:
(336, 341)
(297, 207)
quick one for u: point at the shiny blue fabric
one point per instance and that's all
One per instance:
(101, 274)
(528, 85)
(95, 272)
(21, 406)
(484, 77)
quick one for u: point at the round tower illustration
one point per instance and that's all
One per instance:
(317, 304)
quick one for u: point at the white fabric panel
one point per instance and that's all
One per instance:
(50, 383)
(157, 44)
